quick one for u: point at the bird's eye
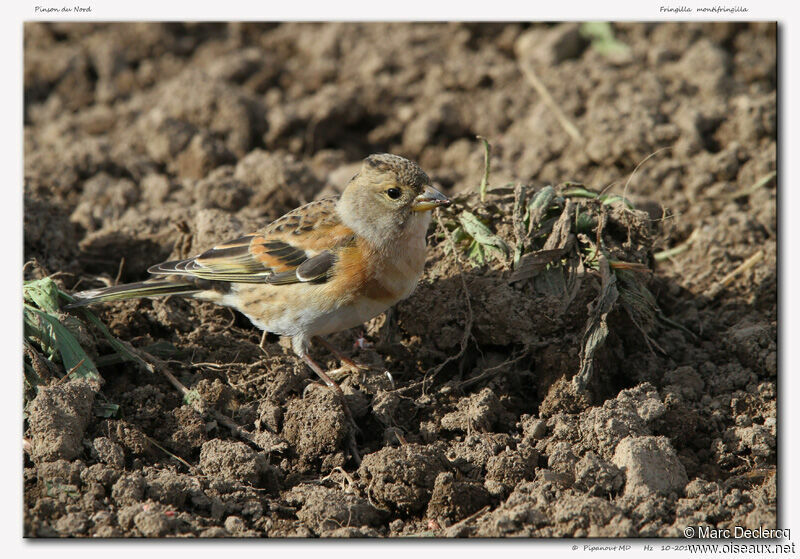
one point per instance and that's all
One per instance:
(393, 193)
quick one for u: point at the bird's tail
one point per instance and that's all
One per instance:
(151, 288)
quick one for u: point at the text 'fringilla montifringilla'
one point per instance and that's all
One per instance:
(326, 266)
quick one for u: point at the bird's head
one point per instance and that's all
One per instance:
(388, 194)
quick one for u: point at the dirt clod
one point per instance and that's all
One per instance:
(128, 490)
(316, 426)
(58, 418)
(479, 412)
(598, 477)
(151, 523)
(454, 499)
(325, 509)
(402, 478)
(109, 452)
(650, 465)
(232, 461)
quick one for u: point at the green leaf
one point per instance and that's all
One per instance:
(42, 293)
(118, 346)
(459, 235)
(538, 205)
(601, 35)
(542, 198)
(476, 254)
(38, 332)
(584, 222)
(191, 396)
(107, 409)
(76, 361)
(578, 192)
(613, 198)
(475, 228)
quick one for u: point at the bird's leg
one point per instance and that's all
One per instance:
(345, 361)
(263, 341)
(322, 374)
(331, 384)
(300, 345)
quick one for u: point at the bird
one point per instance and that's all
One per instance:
(327, 266)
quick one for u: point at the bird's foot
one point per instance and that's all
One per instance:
(361, 342)
(348, 365)
(343, 372)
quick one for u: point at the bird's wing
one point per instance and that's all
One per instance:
(300, 246)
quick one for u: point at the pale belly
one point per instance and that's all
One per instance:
(307, 310)
(282, 315)
(346, 316)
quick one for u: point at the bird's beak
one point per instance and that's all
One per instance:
(429, 199)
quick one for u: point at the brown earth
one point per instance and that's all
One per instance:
(149, 141)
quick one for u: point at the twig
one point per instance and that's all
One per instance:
(540, 88)
(35, 262)
(213, 366)
(492, 371)
(642, 162)
(72, 370)
(351, 482)
(154, 364)
(472, 516)
(152, 441)
(233, 319)
(717, 288)
(119, 271)
(245, 383)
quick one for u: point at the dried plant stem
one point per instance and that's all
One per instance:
(191, 468)
(454, 530)
(492, 371)
(156, 365)
(676, 250)
(119, 270)
(487, 167)
(748, 190)
(717, 288)
(540, 88)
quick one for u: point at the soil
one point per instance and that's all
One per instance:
(149, 141)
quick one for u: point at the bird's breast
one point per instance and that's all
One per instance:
(397, 277)
(400, 267)
(364, 283)
(391, 280)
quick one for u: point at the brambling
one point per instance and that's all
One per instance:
(324, 267)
